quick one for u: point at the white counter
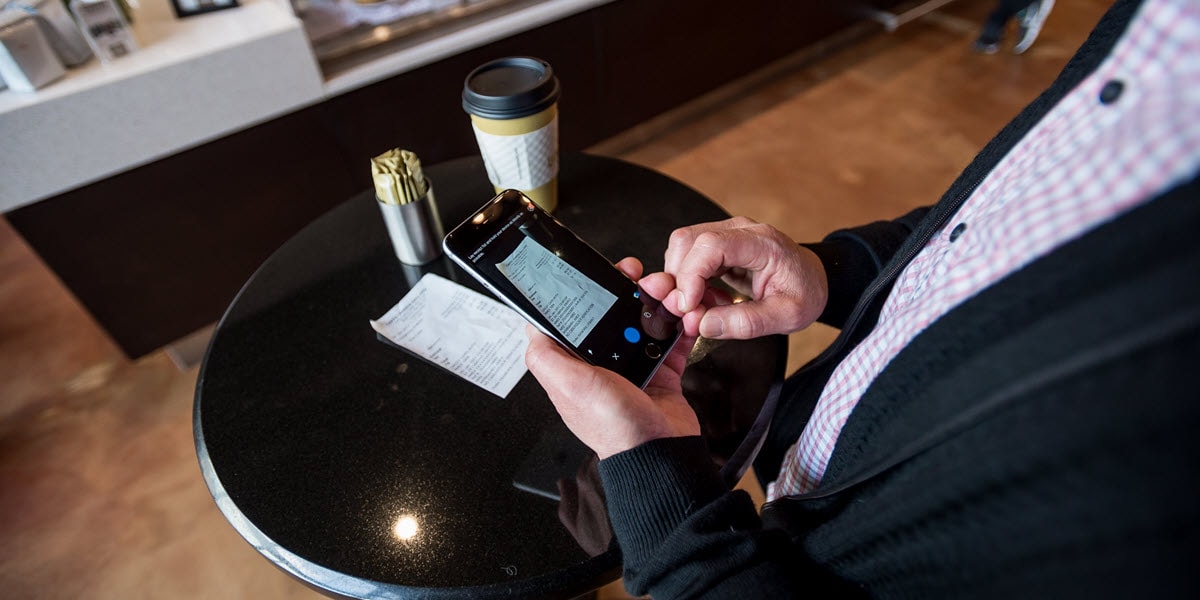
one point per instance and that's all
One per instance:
(194, 80)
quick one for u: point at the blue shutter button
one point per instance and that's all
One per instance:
(1111, 91)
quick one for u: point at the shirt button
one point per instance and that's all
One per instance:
(957, 231)
(1111, 91)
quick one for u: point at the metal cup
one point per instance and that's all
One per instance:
(415, 229)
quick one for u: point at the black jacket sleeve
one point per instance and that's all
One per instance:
(683, 534)
(853, 257)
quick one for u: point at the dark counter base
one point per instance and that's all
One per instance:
(160, 251)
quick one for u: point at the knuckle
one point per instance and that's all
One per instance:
(753, 325)
(707, 239)
(766, 231)
(533, 359)
(535, 356)
(681, 237)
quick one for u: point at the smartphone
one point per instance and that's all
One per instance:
(567, 289)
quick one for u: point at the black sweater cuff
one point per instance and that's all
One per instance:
(853, 258)
(654, 487)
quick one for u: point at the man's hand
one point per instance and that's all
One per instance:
(604, 410)
(785, 282)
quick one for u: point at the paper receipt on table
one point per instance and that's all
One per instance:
(460, 330)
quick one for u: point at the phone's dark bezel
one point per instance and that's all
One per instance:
(493, 225)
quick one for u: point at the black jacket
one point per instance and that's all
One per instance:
(1039, 440)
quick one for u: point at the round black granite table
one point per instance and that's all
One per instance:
(322, 444)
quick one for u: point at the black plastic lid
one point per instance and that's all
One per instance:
(510, 88)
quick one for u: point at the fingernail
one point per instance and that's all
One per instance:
(675, 299)
(711, 327)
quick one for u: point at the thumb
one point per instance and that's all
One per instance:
(545, 356)
(558, 371)
(751, 319)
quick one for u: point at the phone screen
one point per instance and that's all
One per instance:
(563, 286)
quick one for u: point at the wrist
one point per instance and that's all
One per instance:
(816, 285)
(654, 487)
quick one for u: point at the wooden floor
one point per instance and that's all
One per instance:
(100, 493)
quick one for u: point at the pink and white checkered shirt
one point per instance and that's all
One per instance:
(1090, 159)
